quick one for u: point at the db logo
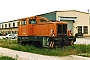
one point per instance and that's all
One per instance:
(24, 31)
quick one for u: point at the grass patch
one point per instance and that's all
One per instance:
(7, 58)
(85, 54)
(68, 50)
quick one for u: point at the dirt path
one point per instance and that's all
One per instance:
(24, 55)
(30, 56)
(74, 57)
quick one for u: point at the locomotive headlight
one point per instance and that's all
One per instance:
(53, 34)
(70, 34)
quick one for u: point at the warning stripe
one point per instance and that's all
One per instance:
(51, 44)
(72, 43)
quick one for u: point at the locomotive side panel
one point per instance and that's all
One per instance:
(36, 30)
(51, 30)
(44, 30)
(40, 30)
(30, 30)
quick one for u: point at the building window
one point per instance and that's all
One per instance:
(5, 25)
(9, 32)
(9, 25)
(2, 25)
(13, 24)
(23, 22)
(79, 29)
(12, 32)
(85, 29)
(16, 32)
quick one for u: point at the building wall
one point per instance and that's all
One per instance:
(9, 29)
(82, 19)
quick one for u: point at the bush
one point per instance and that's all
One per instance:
(6, 58)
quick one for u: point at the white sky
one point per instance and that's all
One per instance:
(15, 9)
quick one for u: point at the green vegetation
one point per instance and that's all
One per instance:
(68, 50)
(6, 58)
(85, 54)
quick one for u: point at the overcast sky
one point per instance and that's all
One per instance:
(15, 9)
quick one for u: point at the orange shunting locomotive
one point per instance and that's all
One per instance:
(42, 32)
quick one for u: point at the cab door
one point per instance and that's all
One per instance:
(24, 28)
(30, 26)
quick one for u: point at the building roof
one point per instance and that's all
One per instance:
(9, 21)
(72, 11)
(64, 11)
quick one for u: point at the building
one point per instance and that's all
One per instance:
(9, 27)
(78, 22)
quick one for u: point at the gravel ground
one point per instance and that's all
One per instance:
(85, 40)
(30, 56)
(74, 57)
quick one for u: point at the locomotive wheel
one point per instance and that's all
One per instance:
(72, 43)
(51, 44)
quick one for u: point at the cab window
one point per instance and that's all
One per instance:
(42, 20)
(23, 22)
(32, 21)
